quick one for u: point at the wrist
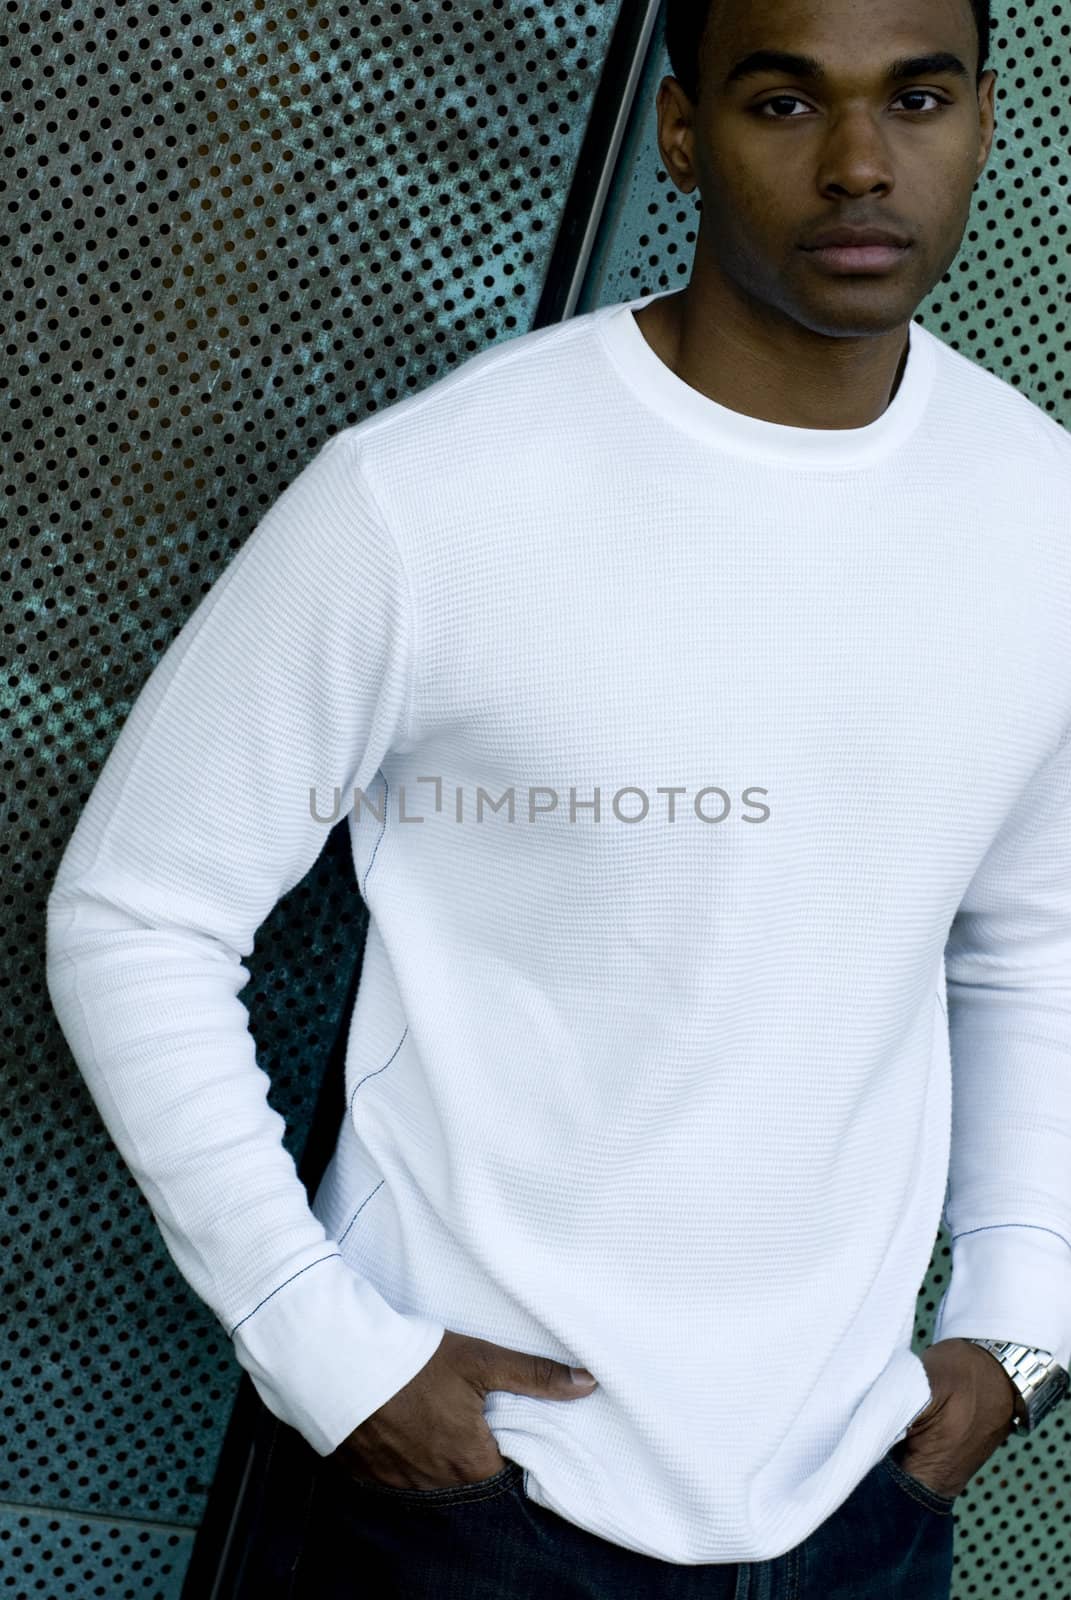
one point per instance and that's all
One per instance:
(1040, 1380)
(1016, 1407)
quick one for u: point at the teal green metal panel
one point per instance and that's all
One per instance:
(227, 233)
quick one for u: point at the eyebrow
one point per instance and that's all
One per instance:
(794, 66)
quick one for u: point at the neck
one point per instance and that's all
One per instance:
(773, 369)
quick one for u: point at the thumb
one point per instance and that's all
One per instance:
(518, 1372)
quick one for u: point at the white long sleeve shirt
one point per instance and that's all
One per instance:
(665, 1090)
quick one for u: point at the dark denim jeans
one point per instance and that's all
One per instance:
(343, 1539)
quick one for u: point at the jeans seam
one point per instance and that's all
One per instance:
(503, 1480)
(939, 1504)
(793, 1574)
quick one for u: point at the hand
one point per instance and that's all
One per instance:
(432, 1433)
(970, 1414)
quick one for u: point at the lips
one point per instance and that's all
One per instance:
(857, 250)
(856, 238)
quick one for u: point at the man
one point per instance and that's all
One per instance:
(693, 675)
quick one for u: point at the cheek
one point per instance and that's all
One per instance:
(930, 174)
(751, 203)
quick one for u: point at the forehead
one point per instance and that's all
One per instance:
(849, 35)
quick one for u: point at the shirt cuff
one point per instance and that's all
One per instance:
(1010, 1281)
(325, 1350)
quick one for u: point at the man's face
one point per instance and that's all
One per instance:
(778, 155)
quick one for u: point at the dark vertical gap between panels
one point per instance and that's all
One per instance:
(596, 164)
(250, 1495)
(229, 240)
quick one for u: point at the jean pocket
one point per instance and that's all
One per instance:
(915, 1489)
(450, 1494)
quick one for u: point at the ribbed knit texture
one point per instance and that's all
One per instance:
(675, 1100)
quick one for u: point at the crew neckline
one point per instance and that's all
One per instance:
(659, 388)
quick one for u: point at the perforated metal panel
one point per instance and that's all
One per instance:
(229, 232)
(1005, 304)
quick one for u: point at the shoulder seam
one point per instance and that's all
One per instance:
(367, 425)
(366, 428)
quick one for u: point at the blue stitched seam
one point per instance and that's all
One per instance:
(360, 1208)
(382, 831)
(378, 1070)
(398, 1046)
(267, 1297)
(987, 1227)
(371, 864)
(353, 1097)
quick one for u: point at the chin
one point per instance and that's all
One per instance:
(855, 319)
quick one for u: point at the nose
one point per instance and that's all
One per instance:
(855, 158)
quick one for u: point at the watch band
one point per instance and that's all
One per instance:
(1040, 1380)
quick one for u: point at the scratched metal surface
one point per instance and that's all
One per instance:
(228, 232)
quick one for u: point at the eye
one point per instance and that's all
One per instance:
(905, 94)
(916, 94)
(778, 99)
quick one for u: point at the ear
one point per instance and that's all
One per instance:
(986, 115)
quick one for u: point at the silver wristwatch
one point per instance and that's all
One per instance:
(1040, 1380)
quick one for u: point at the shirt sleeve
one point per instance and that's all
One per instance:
(292, 674)
(1008, 977)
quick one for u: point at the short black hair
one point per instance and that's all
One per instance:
(686, 21)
